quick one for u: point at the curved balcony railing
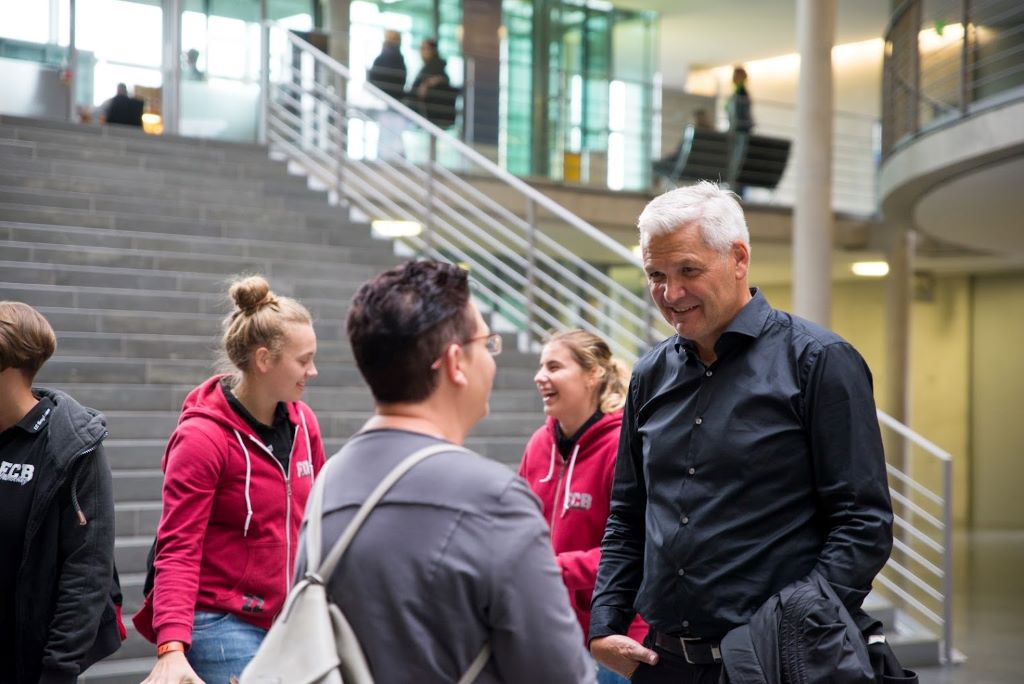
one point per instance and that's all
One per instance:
(945, 60)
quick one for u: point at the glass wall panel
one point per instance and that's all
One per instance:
(577, 92)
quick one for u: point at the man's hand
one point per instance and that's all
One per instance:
(172, 668)
(620, 653)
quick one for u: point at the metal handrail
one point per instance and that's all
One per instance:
(536, 280)
(971, 78)
(940, 587)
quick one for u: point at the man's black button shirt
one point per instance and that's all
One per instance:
(736, 478)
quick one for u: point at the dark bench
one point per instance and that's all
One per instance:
(739, 160)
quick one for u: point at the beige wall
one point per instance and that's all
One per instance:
(997, 425)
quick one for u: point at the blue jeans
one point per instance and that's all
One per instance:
(222, 645)
(606, 676)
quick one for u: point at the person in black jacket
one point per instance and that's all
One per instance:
(432, 93)
(59, 610)
(388, 73)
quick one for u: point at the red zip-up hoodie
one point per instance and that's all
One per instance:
(576, 496)
(231, 517)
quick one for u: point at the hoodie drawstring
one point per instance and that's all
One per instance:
(309, 449)
(74, 498)
(551, 468)
(248, 480)
(568, 479)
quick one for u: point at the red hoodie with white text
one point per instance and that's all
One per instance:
(231, 516)
(576, 496)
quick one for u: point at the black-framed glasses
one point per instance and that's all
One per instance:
(492, 343)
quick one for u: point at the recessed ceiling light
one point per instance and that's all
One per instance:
(870, 269)
(391, 229)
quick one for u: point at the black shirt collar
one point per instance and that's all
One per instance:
(280, 413)
(749, 323)
(565, 444)
(35, 420)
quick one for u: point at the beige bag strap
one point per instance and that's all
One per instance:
(315, 522)
(313, 531)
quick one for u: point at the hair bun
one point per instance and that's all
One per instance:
(250, 293)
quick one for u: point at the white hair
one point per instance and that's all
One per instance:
(716, 211)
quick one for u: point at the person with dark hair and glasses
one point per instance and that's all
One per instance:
(456, 556)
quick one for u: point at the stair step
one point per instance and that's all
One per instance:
(224, 265)
(326, 233)
(130, 553)
(138, 485)
(34, 273)
(137, 518)
(169, 397)
(141, 160)
(161, 371)
(143, 187)
(194, 347)
(116, 298)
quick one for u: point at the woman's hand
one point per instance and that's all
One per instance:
(172, 668)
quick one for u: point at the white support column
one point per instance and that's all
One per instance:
(898, 296)
(170, 101)
(812, 210)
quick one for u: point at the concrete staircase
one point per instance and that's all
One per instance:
(125, 242)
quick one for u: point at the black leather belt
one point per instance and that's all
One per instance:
(695, 650)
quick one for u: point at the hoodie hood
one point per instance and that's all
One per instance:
(595, 434)
(73, 428)
(208, 401)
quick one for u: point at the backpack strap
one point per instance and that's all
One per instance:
(326, 569)
(315, 520)
(477, 666)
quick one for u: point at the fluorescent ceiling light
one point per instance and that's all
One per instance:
(391, 229)
(870, 269)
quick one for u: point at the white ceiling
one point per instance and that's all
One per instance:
(699, 33)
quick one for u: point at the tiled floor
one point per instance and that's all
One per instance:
(988, 617)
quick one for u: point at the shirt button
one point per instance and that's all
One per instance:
(709, 373)
(699, 421)
(685, 520)
(692, 471)
(680, 572)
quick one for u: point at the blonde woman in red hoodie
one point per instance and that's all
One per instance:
(237, 472)
(570, 461)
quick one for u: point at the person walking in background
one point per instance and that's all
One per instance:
(456, 555)
(237, 472)
(432, 92)
(389, 74)
(60, 607)
(750, 459)
(569, 462)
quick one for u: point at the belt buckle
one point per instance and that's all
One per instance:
(716, 653)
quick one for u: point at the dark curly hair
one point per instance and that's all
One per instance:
(400, 323)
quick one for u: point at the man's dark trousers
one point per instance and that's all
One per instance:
(673, 669)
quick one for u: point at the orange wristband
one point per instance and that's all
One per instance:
(169, 647)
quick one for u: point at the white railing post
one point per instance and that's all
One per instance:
(261, 133)
(531, 270)
(469, 102)
(947, 561)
